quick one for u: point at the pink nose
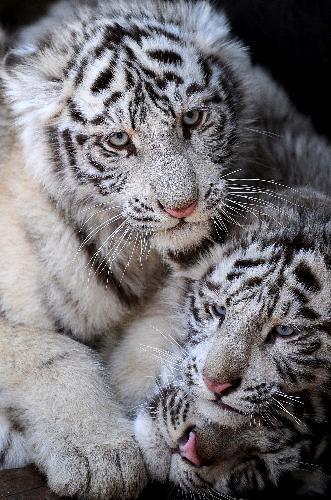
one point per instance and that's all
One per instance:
(180, 213)
(215, 387)
(189, 451)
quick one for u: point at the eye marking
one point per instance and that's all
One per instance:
(218, 312)
(119, 140)
(192, 118)
(283, 331)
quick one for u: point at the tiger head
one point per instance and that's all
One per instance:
(242, 398)
(138, 107)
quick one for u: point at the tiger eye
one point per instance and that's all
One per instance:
(192, 118)
(119, 139)
(283, 330)
(218, 312)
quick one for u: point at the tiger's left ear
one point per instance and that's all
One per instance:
(214, 35)
(33, 81)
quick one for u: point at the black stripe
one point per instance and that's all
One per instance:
(98, 120)
(165, 56)
(81, 139)
(194, 88)
(80, 72)
(158, 99)
(129, 79)
(148, 72)
(324, 326)
(160, 82)
(55, 149)
(206, 71)
(170, 76)
(306, 277)
(113, 98)
(310, 348)
(252, 282)
(114, 35)
(189, 257)
(137, 34)
(75, 113)
(233, 274)
(54, 359)
(194, 310)
(308, 313)
(69, 146)
(99, 50)
(99, 166)
(248, 263)
(211, 285)
(164, 32)
(289, 372)
(311, 363)
(103, 80)
(301, 297)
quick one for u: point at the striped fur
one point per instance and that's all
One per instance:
(78, 216)
(273, 423)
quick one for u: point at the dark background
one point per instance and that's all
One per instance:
(292, 38)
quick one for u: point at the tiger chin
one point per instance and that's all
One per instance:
(238, 362)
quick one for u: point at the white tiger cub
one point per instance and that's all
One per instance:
(128, 118)
(231, 367)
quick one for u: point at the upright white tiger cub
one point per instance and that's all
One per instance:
(128, 118)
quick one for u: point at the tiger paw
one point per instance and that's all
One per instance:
(102, 471)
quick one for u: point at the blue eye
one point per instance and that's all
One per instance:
(119, 139)
(218, 311)
(283, 330)
(192, 118)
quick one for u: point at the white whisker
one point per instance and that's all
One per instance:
(171, 339)
(263, 132)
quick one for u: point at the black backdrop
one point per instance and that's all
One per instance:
(292, 38)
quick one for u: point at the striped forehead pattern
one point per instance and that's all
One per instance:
(119, 66)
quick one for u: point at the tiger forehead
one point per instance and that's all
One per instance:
(304, 276)
(119, 60)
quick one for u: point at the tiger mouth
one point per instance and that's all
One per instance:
(187, 448)
(218, 401)
(182, 225)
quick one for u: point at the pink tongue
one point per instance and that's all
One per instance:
(188, 450)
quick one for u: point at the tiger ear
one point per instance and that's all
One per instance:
(214, 35)
(32, 82)
(211, 24)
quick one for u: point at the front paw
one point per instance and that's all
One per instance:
(101, 471)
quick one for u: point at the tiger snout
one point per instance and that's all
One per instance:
(175, 183)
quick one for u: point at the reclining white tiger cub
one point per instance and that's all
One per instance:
(127, 119)
(229, 371)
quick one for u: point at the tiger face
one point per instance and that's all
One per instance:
(139, 108)
(243, 399)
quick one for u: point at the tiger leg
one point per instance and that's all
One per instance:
(74, 431)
